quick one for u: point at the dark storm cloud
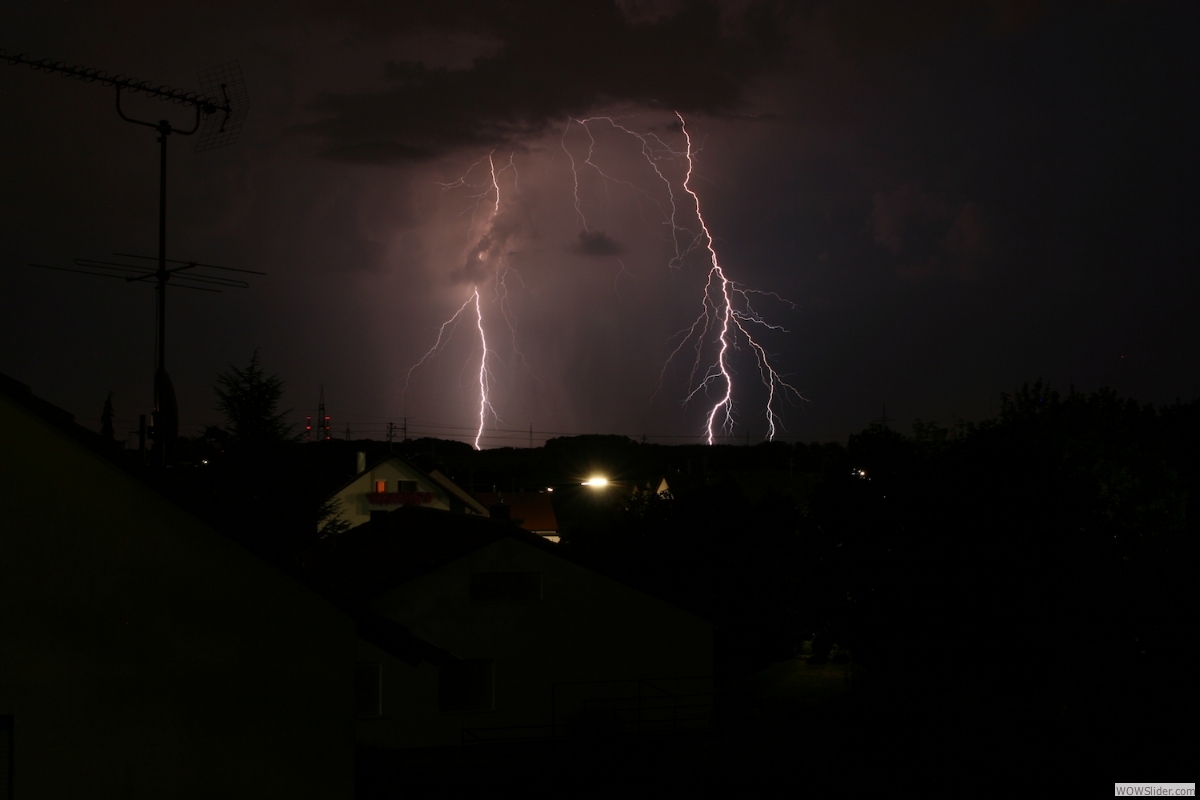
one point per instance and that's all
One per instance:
(927, 234)
(596, 243)
(376, 153)
(555, 59)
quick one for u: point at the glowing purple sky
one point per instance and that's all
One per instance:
(957, 199)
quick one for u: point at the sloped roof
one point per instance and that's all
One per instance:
(456, 490)
(534, 509)
(392, 549)
(400, 545)
(389, 636)
(64, 421)
(436, 478)
(390, 457)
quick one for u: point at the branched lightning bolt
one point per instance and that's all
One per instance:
(726, 311)
(436, 346)
(727, 317)
(730, 319)
(477, 232)
(654, 150)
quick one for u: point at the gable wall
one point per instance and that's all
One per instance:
(356, 509)
(587, 628)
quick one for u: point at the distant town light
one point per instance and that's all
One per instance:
(596, 482)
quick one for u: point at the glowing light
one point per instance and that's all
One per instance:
(596, 482)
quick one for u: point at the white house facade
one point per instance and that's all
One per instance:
(393, 482)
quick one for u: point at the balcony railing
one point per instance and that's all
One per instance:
(399, 498)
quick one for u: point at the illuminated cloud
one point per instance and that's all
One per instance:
(597, 243)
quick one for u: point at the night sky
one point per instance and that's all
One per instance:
(954, 199)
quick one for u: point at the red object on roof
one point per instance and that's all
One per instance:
(533, 509)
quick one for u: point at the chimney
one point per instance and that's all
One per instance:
(361, 464)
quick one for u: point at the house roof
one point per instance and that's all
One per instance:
(456, 490)
(534, 509)
(399, 546)
(389, 636)
(389, 457)
(448, 486)
(64, 421)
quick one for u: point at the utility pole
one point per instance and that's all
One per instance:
(405, 430)
(391, 432)
(531, 436)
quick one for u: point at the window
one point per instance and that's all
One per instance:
(506, 587)
(466, 686)
(368, 690)
(6, 756)
(381, 486)
(406, 486)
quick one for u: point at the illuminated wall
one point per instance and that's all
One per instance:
(355, 499)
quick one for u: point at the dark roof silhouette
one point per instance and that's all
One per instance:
(394, 548)
(385, 634)
(534, 509)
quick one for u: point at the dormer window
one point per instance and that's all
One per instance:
(380, 486)
(406, 486)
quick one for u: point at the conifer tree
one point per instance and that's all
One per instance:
(249, 399)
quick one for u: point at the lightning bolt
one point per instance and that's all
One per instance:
(726, 313)
(438, 345)
(485, 403)
(728, 320)
(732, 319)
(478, 231)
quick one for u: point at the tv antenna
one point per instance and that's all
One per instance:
(221, 111)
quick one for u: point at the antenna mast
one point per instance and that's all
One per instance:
(222, 109)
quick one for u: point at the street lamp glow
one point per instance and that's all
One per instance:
(595, 482)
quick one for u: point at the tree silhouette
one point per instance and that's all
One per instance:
(249, 399)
